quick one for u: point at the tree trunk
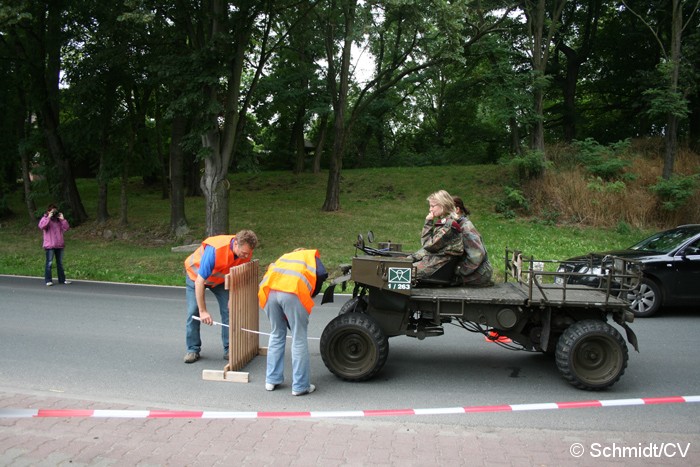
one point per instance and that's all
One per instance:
(537, 136)
(163, 157)
(46, 88)
(297, 140)
(102, 173)
(27, 184)
(178, 221)
(515, 147)
(24, 129)
(672, 119)
(671, 146)
(332, 202)
(124, 194)
(340, 97)
(102, 196)
(536, 22)
(318, 152)
(573, 66)
(215, 186)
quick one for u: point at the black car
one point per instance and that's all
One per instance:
(670, 264)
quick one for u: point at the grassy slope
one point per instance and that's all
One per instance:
(284, 210)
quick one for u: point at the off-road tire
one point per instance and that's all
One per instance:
(591, 355)
(355, 304)
(645, 300)
(353, 347)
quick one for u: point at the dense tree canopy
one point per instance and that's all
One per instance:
(181, 92)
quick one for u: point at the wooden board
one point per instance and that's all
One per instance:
(227, 376)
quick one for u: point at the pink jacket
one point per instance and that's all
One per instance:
(53, 229)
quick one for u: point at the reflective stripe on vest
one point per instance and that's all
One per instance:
(292, 273)
(224, 260)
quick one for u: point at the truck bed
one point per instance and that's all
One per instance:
(514, 293)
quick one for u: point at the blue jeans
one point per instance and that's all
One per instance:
(192, 339)
(50, 254)
(285, 308)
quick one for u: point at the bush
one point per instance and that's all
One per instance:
(513, 200)
(675, 192)
(529, 165)
(602, 161)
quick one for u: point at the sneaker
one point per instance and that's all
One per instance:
(191, 357)
(66, 282)
(270, 386)
(49, 284)
(311, 389)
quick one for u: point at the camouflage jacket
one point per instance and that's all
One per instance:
(474, 249)
(440, 237)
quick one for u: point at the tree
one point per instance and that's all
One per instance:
(420, 38)
(575, 41)
(34, 30)
(670, 99)
(541, 30)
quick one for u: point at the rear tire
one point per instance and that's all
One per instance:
(591, 355)
(353, 347)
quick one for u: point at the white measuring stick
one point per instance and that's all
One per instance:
(213, 322)
(250, 330)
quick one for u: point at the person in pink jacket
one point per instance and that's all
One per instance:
(53, 225)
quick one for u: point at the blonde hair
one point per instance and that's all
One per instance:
(445, 201)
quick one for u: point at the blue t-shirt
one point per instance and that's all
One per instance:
(206, 264)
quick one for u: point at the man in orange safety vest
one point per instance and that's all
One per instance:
(206, 269)
(286, 295)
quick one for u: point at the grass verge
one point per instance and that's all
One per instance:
(285, 211)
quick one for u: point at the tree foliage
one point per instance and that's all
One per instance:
(182, 92)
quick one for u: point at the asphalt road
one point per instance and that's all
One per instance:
(124, 344)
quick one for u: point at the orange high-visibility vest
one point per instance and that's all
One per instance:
(293, 273)
(224, 261)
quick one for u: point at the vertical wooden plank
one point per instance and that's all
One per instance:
(243, 314)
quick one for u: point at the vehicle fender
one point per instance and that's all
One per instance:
(546, 328)
(631, 336)
(328, 295)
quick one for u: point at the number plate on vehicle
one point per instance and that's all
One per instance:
(400, 278)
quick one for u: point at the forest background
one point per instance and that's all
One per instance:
(311, 120)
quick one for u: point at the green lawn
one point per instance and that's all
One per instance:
(285, 211)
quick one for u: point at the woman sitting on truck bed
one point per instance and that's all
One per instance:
(441, 238)
(474, 268)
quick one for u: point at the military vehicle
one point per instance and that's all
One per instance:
(533, 309)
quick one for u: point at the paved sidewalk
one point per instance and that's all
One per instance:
(310, 442)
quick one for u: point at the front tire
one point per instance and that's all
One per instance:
(645, 300)
(353, 347)
(591, 355)
(355, 304)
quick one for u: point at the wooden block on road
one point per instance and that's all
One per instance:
(227, 376)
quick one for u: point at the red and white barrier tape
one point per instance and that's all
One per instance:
(72, 413)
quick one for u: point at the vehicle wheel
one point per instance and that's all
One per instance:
(353, 347)
(358, 304)
(591, 355)
(645, 300)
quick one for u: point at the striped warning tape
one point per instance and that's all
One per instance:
(72, 413)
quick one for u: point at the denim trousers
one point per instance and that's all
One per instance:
(284, 308)
(58, 254)
(192, 339)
